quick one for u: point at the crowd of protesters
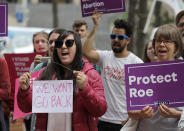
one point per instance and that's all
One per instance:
(99, 99)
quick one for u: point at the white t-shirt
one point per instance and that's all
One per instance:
(113, 76)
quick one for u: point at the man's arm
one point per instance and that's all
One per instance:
(88, 51)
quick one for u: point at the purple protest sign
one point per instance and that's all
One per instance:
(105, 6)
(154, 83)
(3, 19)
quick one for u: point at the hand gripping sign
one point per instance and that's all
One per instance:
(153, 84)
(17, 111)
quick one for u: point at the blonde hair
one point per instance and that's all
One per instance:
(45, 34)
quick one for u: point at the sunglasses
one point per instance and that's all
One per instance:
(120, 37)
(68, 43)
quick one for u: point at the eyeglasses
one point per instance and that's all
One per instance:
(166, 42)
(68, 43)
(120, 37)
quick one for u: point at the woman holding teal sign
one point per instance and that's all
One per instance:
(168, 46)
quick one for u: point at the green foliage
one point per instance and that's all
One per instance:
(166, 19)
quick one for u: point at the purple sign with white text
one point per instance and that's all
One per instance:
(153, 84)
(105, 6)
(3, 19)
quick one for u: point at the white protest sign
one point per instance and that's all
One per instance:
(54, 96)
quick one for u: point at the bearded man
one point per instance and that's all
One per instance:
(111, 64)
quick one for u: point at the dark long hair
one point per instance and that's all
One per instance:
(56, 30)
(60, 71)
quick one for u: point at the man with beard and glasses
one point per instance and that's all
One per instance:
(111, 64)
(180, 24)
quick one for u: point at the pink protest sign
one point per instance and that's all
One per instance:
(17, 112)
(17, 65)
(54, 96)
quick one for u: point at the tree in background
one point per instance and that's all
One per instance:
(137, 15)
(68, 1)
(157, 14)
(55, 13)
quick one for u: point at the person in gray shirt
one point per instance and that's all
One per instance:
(168, 46)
